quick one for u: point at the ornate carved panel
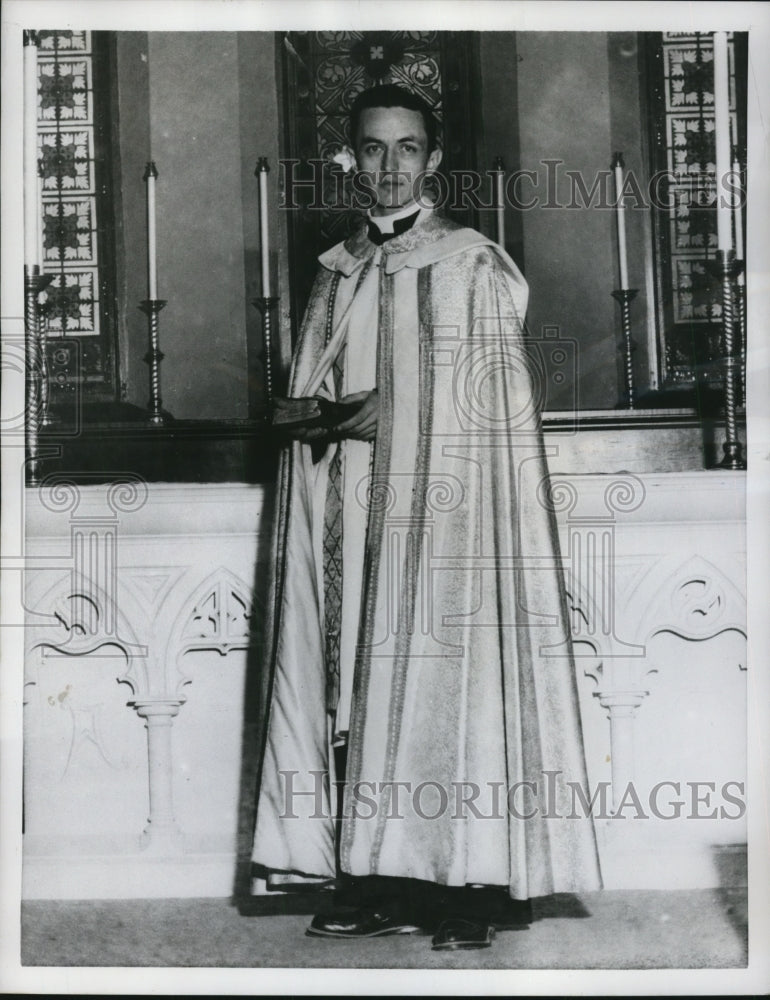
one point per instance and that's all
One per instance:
(218, 616)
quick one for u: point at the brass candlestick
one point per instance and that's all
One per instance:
(35, 369)
(625, 297)
(153, 357)
(266, 304)
(740, 291)
(726, 267)
(45, 388)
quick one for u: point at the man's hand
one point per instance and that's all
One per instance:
(362, 426)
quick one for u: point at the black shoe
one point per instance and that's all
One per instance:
(363, 923)
(457, 932)
(512, 915)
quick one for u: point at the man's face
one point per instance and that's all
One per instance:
(392, 146)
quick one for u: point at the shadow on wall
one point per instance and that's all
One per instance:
(254, 693)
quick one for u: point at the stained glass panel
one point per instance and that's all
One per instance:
(75, 143)
(693, 226)
(67, 160)
(693, 299)
(65, 91)
(69, 231)
(63, 41)
(684, 147)
(67, 163)
(70, 302)
(356, 61)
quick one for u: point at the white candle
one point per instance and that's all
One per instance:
(500, 200)
(264, 243)
(150, 175)
(31, 200)
(617, 165)
(722, 139)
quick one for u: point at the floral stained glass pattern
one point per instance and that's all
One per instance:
(692, 298)
(65, 92)
(70, 302)
(67, 161)
(68, 231)
(67, 166)
(686, 134)
(50, 42)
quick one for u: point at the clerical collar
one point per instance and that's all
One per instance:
(385, 227)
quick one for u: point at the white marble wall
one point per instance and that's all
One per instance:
(143, 634)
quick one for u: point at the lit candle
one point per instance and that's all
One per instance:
(262, 171)
(31, 193)
(722, 138)
(500, 200)
(617, 166)
(150, 175)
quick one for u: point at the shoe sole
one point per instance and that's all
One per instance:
(465, 945)
(406, 929)
(462, 946)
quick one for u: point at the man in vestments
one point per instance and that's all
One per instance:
(420, 717)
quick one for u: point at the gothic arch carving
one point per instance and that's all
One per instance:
(85, 621)
(217, 616)
(692, 598)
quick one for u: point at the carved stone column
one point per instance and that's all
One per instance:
(161, 835)
(621, 707)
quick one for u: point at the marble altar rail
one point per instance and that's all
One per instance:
(144, 607)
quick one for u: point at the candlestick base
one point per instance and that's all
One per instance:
(151, 308)
(733, 457)
(625, 297)
(727, 267)
(266, 304)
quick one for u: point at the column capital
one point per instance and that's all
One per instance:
(154, 707)
(621, 703)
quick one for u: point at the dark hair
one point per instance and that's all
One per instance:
(389, 95)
